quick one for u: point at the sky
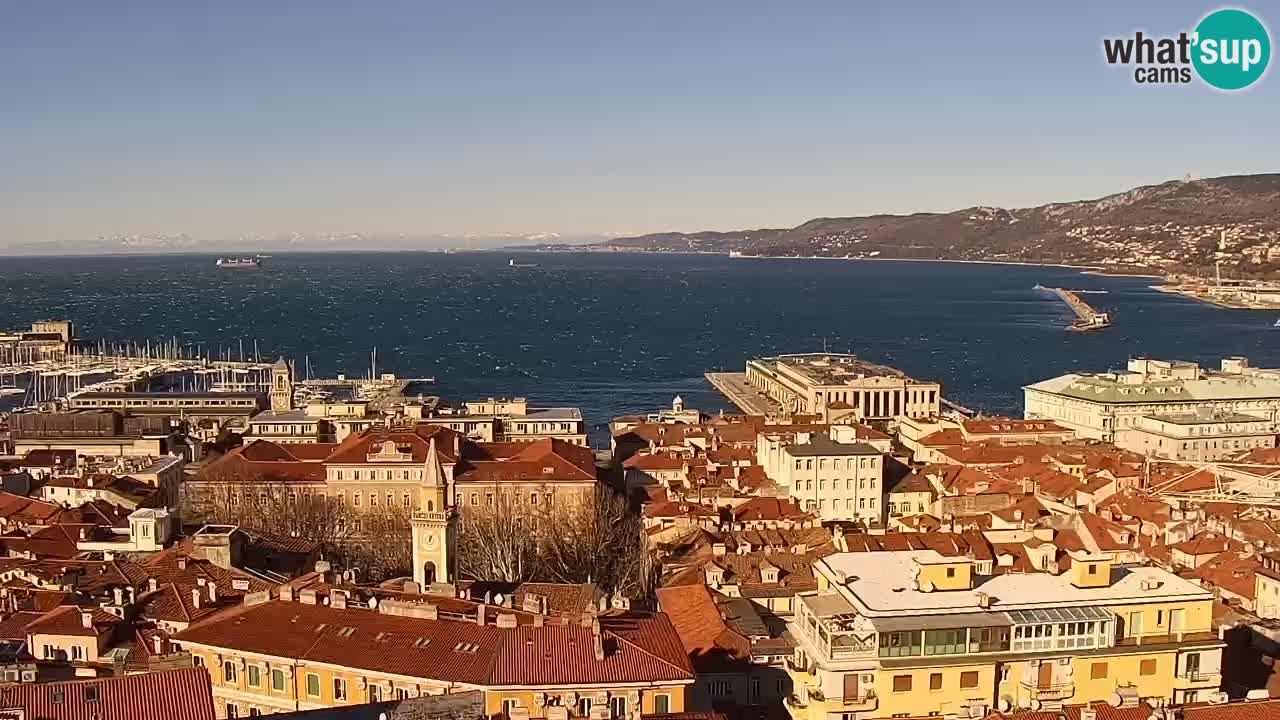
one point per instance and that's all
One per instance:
(584, 117)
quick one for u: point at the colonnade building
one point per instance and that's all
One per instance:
(816, 383)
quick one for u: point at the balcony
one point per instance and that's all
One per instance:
(1199, 678)
(863, 701)
(1050, 693)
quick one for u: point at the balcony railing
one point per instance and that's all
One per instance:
(1201, 676)
(1056, 691)
(864, 701)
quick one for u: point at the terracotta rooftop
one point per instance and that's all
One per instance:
(637, 648)
(173, 694)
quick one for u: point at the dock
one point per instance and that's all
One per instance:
(1086, 317)
(734, 386)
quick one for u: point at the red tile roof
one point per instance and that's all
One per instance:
(66, 620)
(637, 649)
(1260, 710)
(185, 694)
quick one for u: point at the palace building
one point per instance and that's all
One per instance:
(430, 470)
(816, 383)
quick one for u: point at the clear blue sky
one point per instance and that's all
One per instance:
(580, 117)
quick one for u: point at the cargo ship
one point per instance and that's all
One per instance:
(239, 263)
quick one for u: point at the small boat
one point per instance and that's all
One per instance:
(1038, 286)
(7, 391)
(1277, 325)
(512, 263)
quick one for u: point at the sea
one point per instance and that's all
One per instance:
(620, 333)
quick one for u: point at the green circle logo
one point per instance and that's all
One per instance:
(1232, 49)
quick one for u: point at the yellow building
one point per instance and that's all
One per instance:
(271, 656)
(916, 632)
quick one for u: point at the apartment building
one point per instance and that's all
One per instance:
(916, 632)
(1101, 405)
(815, 383)
(529, 667)
(835, 480)
(511, 420)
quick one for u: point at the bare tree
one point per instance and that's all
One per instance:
(495, 542)
(598, 540)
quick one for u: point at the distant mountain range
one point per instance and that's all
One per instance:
(291, 242)
(1171, 226)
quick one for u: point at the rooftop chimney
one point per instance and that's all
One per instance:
(86, 618)
(182, 563)
(480, 613)
(213, 593)
(338, 600)
(153, 584)
(286, 593)
(597, 641)
(195, 597)
(158, 644)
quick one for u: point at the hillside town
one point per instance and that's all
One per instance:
(848, 546)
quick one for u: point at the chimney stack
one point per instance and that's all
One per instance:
(480, 613)
(596, 640)
(86, 618)
(195, 597)
(158, 644)
(213, 593)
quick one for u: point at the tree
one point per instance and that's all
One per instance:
(495, 542)
(598, 540)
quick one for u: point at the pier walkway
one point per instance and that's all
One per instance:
(734, 386)
(1078, 306)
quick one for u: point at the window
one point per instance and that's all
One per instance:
(355, 499)
(755, 690)
(232, 710)
(1159, 617)
(255, 712)
(339, 689)
(228, 671)
(584, 707)
(719, 688)
(618, 707)
(77, 652)
(935, 681)
(1093, 569)
(902, 683)
(1147, 667)
(661, 704)
(969, 679)
(313, 685)
(1098, 671)
(951, 572)
(255, 676)
(277, 680)
(533, 498)
(375, 693)
(475, 498)
(197, 661)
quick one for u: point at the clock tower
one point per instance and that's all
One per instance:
(434, 531)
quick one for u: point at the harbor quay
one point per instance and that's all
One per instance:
(847, 543)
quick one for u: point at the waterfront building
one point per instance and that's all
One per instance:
(234, 408)
(509, 420)
(614, 666)
(1102, 404)
(812, 383)
(1198, 436)
(98, 432)
(911, 633)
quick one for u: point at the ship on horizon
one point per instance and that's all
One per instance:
(240, 263)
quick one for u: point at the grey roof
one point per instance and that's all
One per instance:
(1109, 388)
(825, 446)
(933, 622)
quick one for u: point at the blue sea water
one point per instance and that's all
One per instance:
(620, 333)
